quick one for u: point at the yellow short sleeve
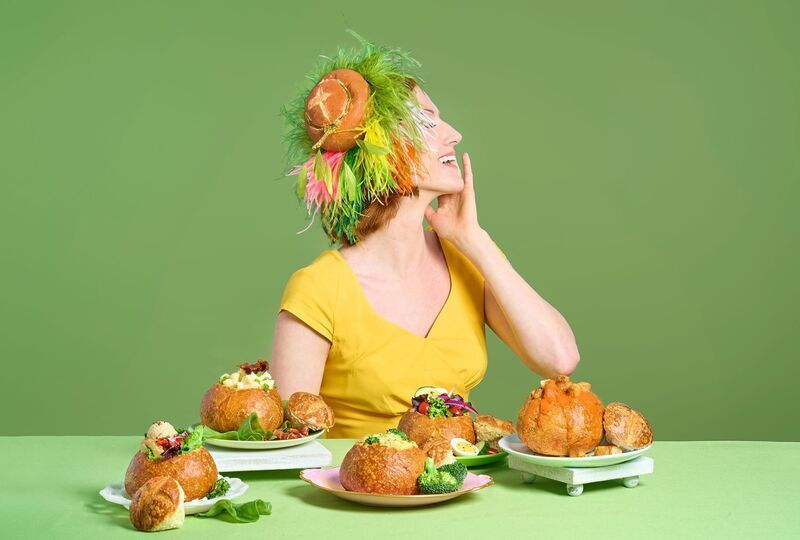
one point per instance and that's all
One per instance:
(311, 301)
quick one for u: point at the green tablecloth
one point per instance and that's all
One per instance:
(698, 490)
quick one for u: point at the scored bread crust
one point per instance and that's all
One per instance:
(420, 427)
(625, 427)
(561, 419)
(224, 409)
(375, 468)
(195, 471)
(309, 410)
(157, 505)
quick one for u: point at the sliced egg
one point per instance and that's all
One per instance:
(462, 447)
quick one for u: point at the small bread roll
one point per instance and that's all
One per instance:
(607, 450)
(625, 427)
(158, 505)
(491, 429)
(309, 410)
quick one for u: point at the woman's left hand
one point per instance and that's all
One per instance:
(456, 218)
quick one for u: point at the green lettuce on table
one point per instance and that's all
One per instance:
(238, 513)
(250, 430)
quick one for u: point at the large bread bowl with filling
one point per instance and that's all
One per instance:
(384, 464)
(235, 396)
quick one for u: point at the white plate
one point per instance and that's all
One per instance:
(515, 447)
(263, 445)
(115, 493)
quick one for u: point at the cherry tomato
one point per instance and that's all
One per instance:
(423, 407)
(455, 411)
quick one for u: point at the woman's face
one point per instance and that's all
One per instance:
(441, 173)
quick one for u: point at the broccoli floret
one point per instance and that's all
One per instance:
(432, 481)
(456, 469)
(398, 433)
(372, 439)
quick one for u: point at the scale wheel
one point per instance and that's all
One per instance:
(528, 478)
(573, 490)
(630, 482)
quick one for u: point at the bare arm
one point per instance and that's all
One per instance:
(531, 327)
(525, 321)
(298, 356)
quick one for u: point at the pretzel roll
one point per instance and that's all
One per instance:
(335, 108)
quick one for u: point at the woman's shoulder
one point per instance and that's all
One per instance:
(323, 271)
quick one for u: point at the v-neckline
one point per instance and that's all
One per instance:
(386, 321)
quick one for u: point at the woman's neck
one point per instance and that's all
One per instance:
(401, 245)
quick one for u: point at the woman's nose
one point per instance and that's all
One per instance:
(452, 137)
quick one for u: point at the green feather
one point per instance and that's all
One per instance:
(302, 180)
(372, 148)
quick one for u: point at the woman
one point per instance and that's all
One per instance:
(398, 306)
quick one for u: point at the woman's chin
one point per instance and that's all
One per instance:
(443, 185)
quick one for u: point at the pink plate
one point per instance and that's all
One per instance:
(328, 480)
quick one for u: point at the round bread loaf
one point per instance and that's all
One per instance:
(561, 418)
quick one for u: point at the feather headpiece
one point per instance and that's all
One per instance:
(355, 135)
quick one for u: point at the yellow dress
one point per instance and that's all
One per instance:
(374, 366)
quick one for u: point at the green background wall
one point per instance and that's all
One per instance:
(638, 162)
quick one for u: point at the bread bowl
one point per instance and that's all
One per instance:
(158, 505)
(235, 396)
(561, 418)
(437, 414)
(180, 456)
(420, 428)
(385, 463)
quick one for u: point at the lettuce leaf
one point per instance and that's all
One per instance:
(194, 440)
(250, 430)
(247, 512)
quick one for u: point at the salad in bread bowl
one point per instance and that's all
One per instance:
(235, 396)
(437, 414)
(441, 423)
(176, 454)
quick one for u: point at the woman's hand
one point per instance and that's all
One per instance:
(456, 219)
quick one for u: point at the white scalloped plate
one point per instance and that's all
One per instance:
(115, 493)
(263, 445)
(516, 447)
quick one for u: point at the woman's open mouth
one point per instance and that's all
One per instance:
(449, 161)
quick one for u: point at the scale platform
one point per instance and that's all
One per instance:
(575, 478)
(311, 455)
